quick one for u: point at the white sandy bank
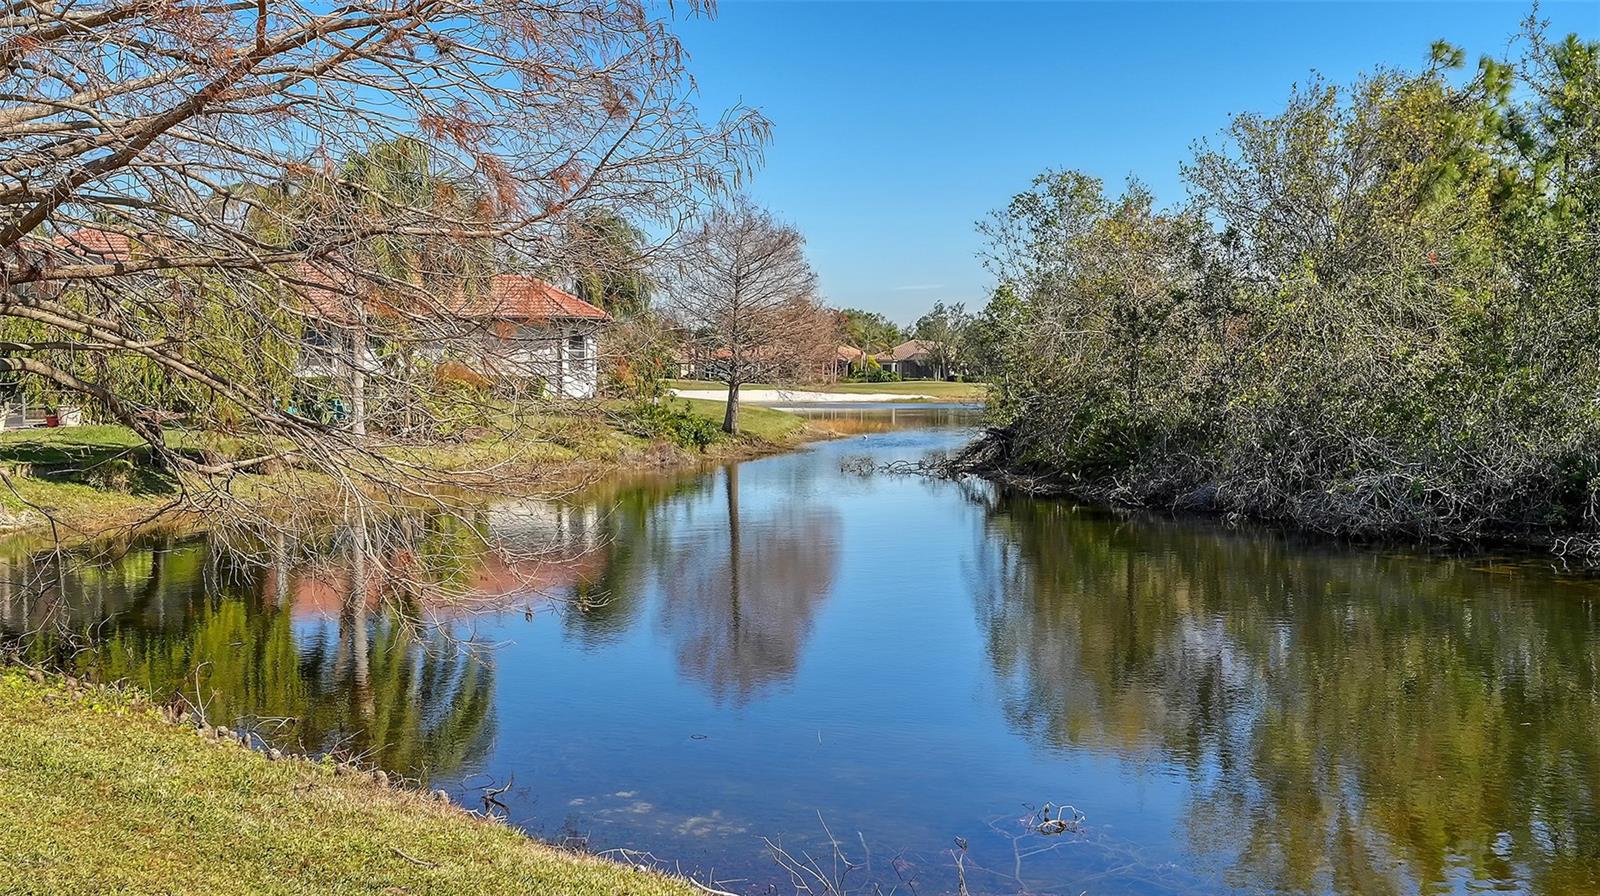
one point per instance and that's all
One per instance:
(797, 396)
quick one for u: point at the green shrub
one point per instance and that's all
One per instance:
(114, 475)
(670, 422)
(871, 372)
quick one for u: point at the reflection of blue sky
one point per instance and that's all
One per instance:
(889, 724)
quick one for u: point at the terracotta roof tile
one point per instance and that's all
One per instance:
(517, 297)
(104, 245)
(326, 288)
(522, 297)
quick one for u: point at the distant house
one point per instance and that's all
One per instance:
(532, 330)
(771, 363)
(529, 329)
(88, 246)
(913, 359)
(551, 334)
(698, 362)
(94, 244)
(847, 357)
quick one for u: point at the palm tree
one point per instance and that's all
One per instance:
(413, 224)
(609, 253)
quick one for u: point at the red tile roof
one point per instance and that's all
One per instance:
(522, 297)
(517, 297)
(104, 245)
(510, 296)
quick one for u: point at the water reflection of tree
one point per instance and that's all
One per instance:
(184, 617)
(739, 594)
(632, 540)
(1352, 722)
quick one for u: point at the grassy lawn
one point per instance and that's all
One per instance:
(939, 388)
(101, 795)
(78, 471)
(96, 478)
(766, 424)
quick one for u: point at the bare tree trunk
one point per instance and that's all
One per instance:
(730, 417)
(358, 382)
(280, 569)
(358, 402)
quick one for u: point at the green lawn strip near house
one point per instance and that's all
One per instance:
(100, 794)
(79, 471)
(769, 425)
(940, 389)
(99, 477)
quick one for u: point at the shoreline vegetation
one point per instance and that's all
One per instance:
(80, 483)
(994, 456)
(1374, 319)
(138, 801)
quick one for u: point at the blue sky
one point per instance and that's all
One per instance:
(898, 125)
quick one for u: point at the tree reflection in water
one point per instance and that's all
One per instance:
(738, 587)
(634, 538)
(315, 651)
(1350, 722)
(739, 601)
(1332, 721)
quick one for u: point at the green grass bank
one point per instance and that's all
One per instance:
(99, 478)
(100, 794)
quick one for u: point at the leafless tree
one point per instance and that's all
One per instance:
(745, 287)
(189, 191)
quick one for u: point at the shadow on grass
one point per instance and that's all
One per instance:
(104, 461)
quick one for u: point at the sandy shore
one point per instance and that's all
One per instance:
(797, 396)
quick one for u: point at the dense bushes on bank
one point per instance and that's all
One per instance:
(1379, 314)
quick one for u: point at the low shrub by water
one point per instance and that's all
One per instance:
(670, 422)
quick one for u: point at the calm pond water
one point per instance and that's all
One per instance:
(690, 664)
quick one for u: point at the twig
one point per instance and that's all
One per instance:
(413, 859)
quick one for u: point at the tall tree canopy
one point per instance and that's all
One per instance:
(870, 331)
(1378, 315)
(611, 257)
(944, 329)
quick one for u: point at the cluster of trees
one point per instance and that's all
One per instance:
(956, 339)
(260, 170)
(1377, 315)
(870, 331)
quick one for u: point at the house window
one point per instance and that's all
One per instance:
(577, 348)
(318, 337)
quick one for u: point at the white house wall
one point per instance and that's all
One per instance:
(550, 354)
(546, 352)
